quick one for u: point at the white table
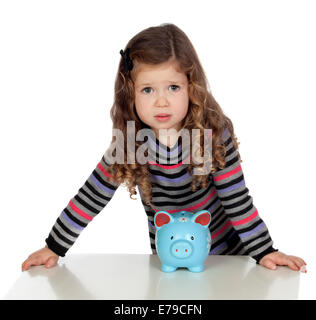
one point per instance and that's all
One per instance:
(138, 277)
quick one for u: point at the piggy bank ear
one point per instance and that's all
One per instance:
(202, 217)
(161, 218)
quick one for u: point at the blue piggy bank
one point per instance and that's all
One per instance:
(183, 239)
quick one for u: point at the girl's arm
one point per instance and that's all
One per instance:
(238, 204)
(91, 198)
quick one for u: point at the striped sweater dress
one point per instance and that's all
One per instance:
(236, 227)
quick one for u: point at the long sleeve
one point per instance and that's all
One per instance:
(91, 198)
(238, 204)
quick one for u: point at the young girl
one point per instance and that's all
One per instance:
(160, 84)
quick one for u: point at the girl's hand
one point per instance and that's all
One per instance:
(43, 256)
(273, 259)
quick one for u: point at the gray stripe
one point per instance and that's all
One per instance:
(237, 199)
(255, 242)
(93, 195)
(220, 211)
(220, 222)
(172, 192)
(183, 199)
(69, 226)
(234, 154)
(65, 234)
(261, 249)
(90, 202)
(240, 207)
(164, 160)
(59, 241)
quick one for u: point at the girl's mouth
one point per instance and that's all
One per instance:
(163, 117)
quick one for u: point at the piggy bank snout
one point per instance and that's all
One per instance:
(181, 249)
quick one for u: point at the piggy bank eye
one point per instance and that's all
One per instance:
(171, 237)
(192, 238)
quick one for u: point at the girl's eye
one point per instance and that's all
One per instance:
(171, 238)
(146, 89)
(192, 238)
(173, 85)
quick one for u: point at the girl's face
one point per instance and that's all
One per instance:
(161, 96)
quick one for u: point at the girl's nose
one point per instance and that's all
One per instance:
(161, 101)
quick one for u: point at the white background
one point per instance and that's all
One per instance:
(58, 61)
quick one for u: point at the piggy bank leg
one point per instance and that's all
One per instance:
(196, 268)
(166, 268)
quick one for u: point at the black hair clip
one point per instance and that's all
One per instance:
(128, 63)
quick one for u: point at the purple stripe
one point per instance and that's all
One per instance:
(253, 231)
(151, 226)
(225, 133)
(218, 248)
(160, 178)
(71, 222)
(233, 187)
(210, 209)
(100, 185)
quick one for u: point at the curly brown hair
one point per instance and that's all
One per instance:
(156, 45)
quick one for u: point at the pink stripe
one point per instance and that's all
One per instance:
(79, 211)
(103, 170)
(168, 167)
(228, 223)
(228, 174)
(243, 221)
(195, 206)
